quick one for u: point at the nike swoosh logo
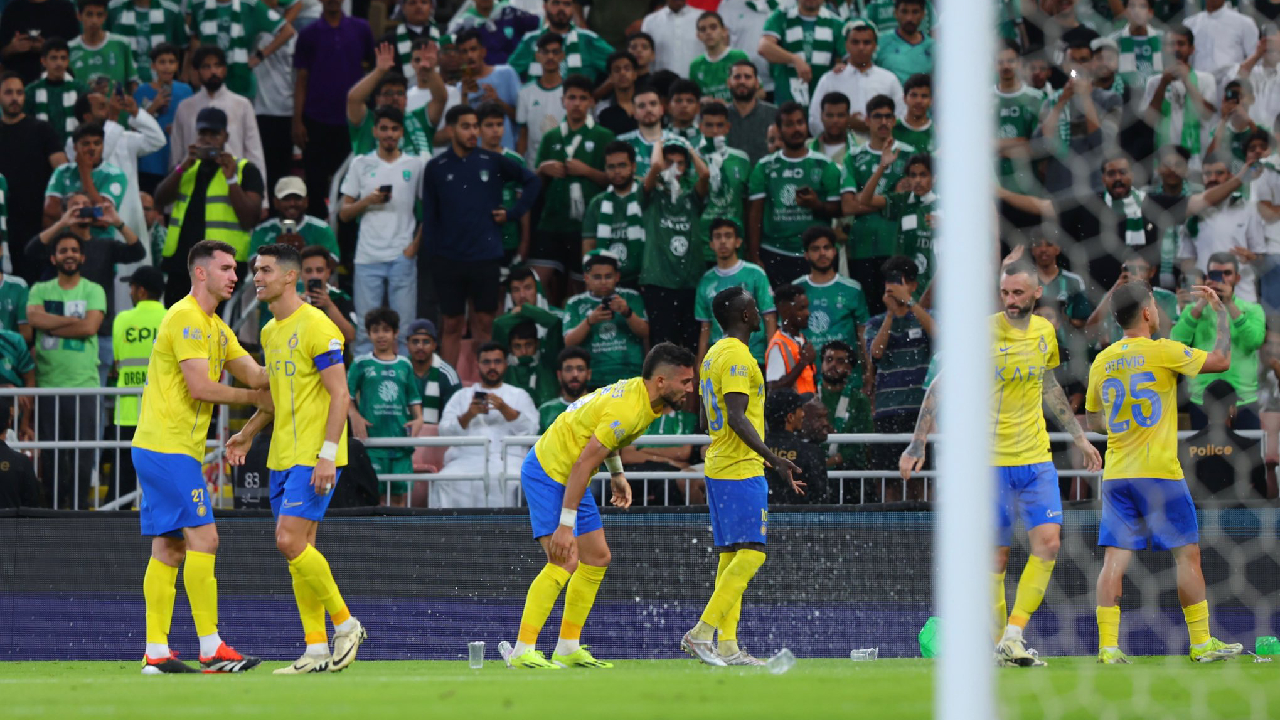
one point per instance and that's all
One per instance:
(293, 504)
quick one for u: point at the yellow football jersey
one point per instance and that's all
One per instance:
(615, 415)
(297, 348)
(1133, 384)
(729, 367)
(1021, 358)
(170, 420)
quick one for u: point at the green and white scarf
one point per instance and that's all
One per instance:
(1128, 58)
(404, 47)
(238, 45)
(142, 37)
(826, 46)
(628, 210)
(1190, 138)
(850, 144)
(1169, 238)
(843, 9)
(1134, 223)
(577, 200)
(765, 7)
(65, 96)
(572, 51)
(713, 152)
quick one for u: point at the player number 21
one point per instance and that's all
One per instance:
(1113, 395)
(715, 419)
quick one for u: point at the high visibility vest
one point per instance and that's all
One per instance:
(790, 354)
(220, 221)
(133, 336)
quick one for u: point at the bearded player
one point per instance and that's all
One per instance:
(1024, 353)
(732, 393)
(303, 350)
(192, 348)
(565, 519)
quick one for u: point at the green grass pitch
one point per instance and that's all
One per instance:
(1151, 689)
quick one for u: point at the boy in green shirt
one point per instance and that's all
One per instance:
(730, 171)
(711, 70)
(607, 321)
(144, 24)
(801, 45)
(386, 402)
(532, 370)
(837, 307)
(916, 129)
(728, 272)
(53, 97)
(615, 219)
(393, 90)
(97, 53)
(88, 174)
(914, 212)
(573, 376)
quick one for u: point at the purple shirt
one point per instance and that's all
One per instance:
(501, 33)
(333, 56)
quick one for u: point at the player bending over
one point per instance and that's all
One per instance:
(192, 348)
(1132, 397)
(303, 350)
(732, 393)
(1024, 353)
(565, 519)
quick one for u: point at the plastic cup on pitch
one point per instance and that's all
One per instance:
(475, 654)
(864, 654)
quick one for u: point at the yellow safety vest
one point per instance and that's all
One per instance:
(220, 221)
(133, 336)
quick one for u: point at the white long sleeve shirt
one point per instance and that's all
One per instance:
(859, 87)
(471, 458)
(675, 38)
(1223, 38)
(243, 140)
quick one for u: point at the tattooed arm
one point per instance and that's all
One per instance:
(1055, 400)
(913, 457)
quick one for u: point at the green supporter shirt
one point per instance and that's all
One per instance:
(730, 173)
(435, 388)
(590, 50)
(1235, 141)
(55, 104)
(4, 208)
(905, 59)
(15, 359)
(13, 302)
(313, 230)
(914, 217)
(616, 352)
(510, 195)
(550, 322)
(672, 256)
(112, 59)
(880, 14)
(712, 76)
(109, 180)
(644, 152)
(775, 180)
(533, 377)
(385, 392)
(1068, 291)
(874, 235)
(212, 23)
(749, 276)
(672, 422)
(1018, 116)
(836, 309)
(417, 138)
(616, 223)
(145, 28)
(1247, 334)
(67, 362)
(848, 411)
(549, 411)
(556, 216)
(922, 140)
(820, 40)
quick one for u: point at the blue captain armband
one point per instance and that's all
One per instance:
(331, 357)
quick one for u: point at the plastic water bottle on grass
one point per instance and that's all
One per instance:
(864, 654)
(781, 662)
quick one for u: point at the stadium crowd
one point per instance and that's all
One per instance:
(502, 205)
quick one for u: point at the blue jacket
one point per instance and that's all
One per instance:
(459, 196)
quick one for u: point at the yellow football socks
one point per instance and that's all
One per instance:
(310, 609)
(313, 569)
(579, 596)
(202, 591)
(542, 595)
(1000, 612)
(1031, 587)
(1109, 627)
(159, 588)
(727, 633)
(729, 590)
(1197, 617)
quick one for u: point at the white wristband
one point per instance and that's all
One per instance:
(233, 180)
(614, 463)
(328, 451)
(568, 517)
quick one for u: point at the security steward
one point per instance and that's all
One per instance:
(784, 412)
(133, 335)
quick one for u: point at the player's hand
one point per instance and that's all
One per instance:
(561, 546)
(1092, 458)
(1204, 293)
(324, 476)
(621, 490)
(237, 448)
(908, 465)
(262, 399)
(788, 470)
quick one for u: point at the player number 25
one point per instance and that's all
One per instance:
(1113, 395)
(715, 419)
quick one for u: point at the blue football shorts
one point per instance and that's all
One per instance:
(1028, 493)
(173, 493)
(739, 510)
(546, 497)
(293, 494)
(1147, 513)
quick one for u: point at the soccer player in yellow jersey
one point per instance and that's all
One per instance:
(192, 348)
(303, 350)
(565, 519)
(1024, 353)
(1132, 397)
(732, 389)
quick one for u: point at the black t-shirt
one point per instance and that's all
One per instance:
(616, 120)
(812, 462)
(53, 18)
(1099, 233)
(1222, 465)
(25, 147)
(192, 230)
(18, 484)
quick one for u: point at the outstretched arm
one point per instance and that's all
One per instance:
(913, 457)
(1055, 401)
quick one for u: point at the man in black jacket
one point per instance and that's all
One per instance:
(1220, 464)
(784, 413)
